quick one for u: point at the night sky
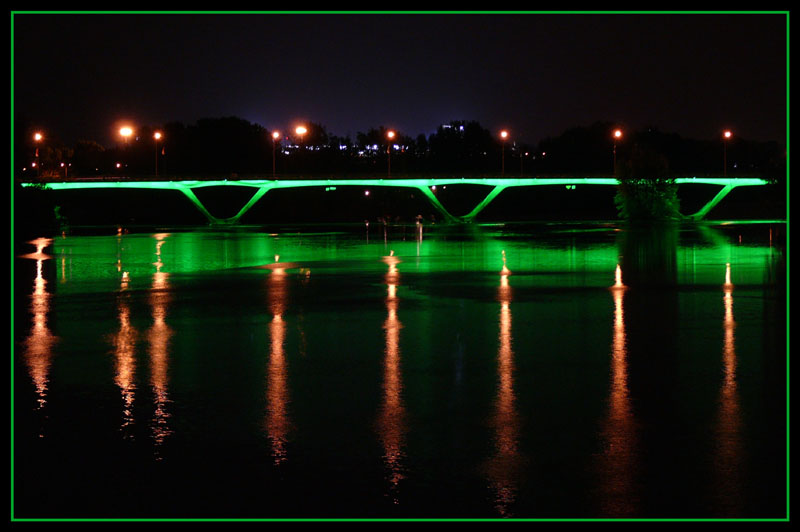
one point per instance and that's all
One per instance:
(77, 76)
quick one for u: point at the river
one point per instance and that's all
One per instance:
(551, 370)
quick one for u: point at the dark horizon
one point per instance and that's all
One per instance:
(80, 75)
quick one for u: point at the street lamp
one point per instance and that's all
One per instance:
(389, 135)
(725, 136)
(503, 135)
(522, 156)
(300, 131)
(37, 137)
(275, 136)
(125, 132)
(157, 135)
(617, 136)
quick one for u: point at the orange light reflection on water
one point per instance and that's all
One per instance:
(729, 425)
(158, 337)
(277, 422)
(124, 343)
(618, 459)
(392, 423)
(39, 344)
(504, 467)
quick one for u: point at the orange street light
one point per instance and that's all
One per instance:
(300, 131)
(725, 136)
(389, 135)
(504, 136)
(275, 136)
(157, 136)
(37, 137)
(125, 132)
(617, 136)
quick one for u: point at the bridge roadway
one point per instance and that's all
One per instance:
(424, 185)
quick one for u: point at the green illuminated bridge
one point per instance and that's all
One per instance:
(497, 185)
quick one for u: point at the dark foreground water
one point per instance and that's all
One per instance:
(547, 371)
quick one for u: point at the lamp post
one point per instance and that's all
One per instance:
(300, 131)
(522, 155)
(126, 132)
(503, 136)
(617, 136)
(157, 136)
(37, 137)
(389, 135)
(275, 136)
(725, 136)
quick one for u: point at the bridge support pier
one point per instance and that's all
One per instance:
(486, 201)
(257, 196)
(189, 193)
(699, 215)
(437, 204)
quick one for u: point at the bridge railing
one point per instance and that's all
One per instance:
(345, 177)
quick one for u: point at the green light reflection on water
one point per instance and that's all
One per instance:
(89, 258)
(86, 261)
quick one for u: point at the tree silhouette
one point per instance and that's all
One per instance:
(646, 191)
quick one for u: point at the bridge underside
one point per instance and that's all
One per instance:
(496, 186)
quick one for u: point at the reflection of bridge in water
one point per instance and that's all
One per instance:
(424, 185)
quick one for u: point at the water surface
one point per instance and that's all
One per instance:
(548, 371)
